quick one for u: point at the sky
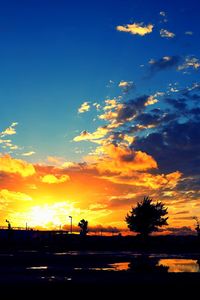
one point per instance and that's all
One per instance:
(100, 106)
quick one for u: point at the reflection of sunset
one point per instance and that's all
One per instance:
(180, 265)
(120, 266)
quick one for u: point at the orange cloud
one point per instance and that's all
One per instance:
(101, 190)
(121, 159)
(8, 196)
(148, 180)
(12, 165)
(52, 179)
(136, 28)
(150, 101)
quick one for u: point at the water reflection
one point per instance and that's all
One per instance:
(180, 265)
(120, 266)
(146, 264)
(37, 268)
(152, 264)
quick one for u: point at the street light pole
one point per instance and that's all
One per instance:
(71, 223)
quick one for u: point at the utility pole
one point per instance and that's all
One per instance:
(71, 223)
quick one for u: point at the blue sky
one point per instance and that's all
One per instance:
(57, 54)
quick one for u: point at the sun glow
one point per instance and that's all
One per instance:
(46, 216)
(42, 216)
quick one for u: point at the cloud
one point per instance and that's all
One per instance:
(179, 104)
(52, 179)
(120, 160)
(110, 104)
(12, 165)
(100, 229)
(85, 106)
(97, 105)
(28, 153)
(147, 180)
(95, 136)
(9, 130)
(110, 111)
(188, 32)
(162, 13)
(131, 108)
(10, 196)
(175, 147)
(183, 230)
(123, 200)
(136, 28)
(150, 101)
(126, 86)
(164, 33)
(164, 63)
(190, 62)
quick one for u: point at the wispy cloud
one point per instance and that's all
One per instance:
(162, 13)
(85, 106)
(164, 33)
(190, 62)
(9, 130)
(94, 137)
(163, 16)
(126, 86)
(136, 28)
(5, 142)
(189, 32)
(28, 153)
(164, 63)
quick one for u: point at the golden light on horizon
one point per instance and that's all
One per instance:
(47, 216)
(42, 216)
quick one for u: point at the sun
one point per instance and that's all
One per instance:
(43, 216)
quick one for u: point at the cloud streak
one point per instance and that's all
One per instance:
(164, 33)
(136, 28)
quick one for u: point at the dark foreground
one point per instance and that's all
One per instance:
(61, 266)
(42, 274)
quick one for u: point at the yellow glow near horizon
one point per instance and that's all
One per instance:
(47, 216)
(42, 216)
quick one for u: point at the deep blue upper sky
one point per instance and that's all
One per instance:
(55, 55)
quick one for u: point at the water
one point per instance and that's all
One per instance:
(138, 263)
(178, 265)
(85, 265)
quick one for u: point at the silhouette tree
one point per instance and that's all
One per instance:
(147, 217)
(83, 224)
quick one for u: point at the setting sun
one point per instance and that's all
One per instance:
(42, 216)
